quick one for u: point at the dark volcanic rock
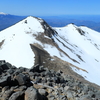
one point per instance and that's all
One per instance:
(1, 70)
(6, 66)
(35, 68)
(2, 62)
(22, 79)
(48, 30)
(5, 80)
(17, 96)
(39, 83)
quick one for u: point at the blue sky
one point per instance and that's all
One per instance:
(50, 7)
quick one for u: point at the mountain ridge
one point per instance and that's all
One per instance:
(22, 42)
(54, 21)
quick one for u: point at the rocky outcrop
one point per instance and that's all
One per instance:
(48, 31)
(39, 83)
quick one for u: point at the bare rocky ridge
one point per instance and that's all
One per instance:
(40, 83)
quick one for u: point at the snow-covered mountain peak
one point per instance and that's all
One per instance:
(15, 42)
(24, 42)
(2, 13)
(70, 25)
(33, 24)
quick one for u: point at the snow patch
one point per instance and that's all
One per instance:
(2, 13)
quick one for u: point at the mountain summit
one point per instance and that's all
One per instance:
(2, 13)
(32, 41)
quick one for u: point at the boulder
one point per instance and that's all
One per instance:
(2, 62)
(1, 70)
(22, 79)
(85, 97)
(97, 95)
(35, 68)
(6, 94)
(5, 80)
(42, 92)
(6, 66)
(32, 94)
(17, 96)
(70, 95)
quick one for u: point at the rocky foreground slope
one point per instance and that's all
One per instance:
(40, 83)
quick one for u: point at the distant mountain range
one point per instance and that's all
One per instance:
(6, 20)
(93, 22)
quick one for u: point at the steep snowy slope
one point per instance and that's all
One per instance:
(83, 45)
(80, 46)
(16, 42)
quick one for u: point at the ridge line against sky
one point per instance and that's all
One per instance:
(50, 7)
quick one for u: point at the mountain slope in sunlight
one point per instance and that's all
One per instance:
(80, 46)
